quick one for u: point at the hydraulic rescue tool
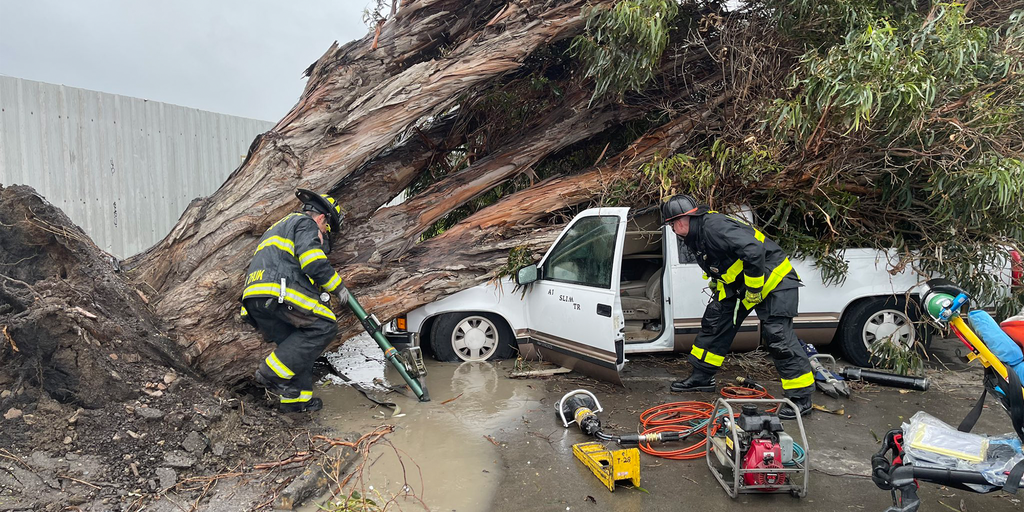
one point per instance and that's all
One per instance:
(581, 407)
(750, 452)
(751, 448)
(826, 380)
(409, 362)
(885, 379)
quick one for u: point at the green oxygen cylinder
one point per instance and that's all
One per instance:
(390, 352)
(936, 303)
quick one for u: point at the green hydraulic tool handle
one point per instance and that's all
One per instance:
(390, 352)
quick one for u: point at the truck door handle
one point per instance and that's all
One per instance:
(604, 310)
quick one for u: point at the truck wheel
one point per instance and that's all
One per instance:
(876, 319)
(471, 337)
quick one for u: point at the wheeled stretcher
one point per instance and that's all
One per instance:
(1003, 360)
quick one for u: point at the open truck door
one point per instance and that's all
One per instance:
(573, 309)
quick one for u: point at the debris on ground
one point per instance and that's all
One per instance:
(97, 413)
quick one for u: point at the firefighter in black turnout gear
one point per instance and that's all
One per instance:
(287, 294)
(748, 272)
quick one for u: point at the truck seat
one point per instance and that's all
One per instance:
(647, 307)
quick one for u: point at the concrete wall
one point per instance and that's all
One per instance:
(123, 169)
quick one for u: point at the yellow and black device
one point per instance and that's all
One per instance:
(580, 407)
(609, 466)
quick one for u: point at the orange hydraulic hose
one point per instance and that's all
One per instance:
(685, 417)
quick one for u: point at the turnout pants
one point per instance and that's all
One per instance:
(300, 337)
(776, 313)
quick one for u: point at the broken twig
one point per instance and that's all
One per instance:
(451, 399)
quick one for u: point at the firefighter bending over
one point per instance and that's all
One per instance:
(286, 297)
(748, 271)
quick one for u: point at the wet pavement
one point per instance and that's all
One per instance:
(490, 442)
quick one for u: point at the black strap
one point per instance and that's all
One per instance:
(1013, 479)
(1016, 409)
(972, 417)
(1016, 401)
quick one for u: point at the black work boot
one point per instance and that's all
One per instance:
(803, 404)
(699, 380)
(272, 384)
(313, 404)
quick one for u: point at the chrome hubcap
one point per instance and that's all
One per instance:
(892, 325)
(475, 338)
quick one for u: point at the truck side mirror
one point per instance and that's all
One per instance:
(527, 275)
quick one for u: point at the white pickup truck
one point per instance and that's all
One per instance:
(611, 286)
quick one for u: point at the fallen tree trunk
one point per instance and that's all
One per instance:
(195, 272)
(390, 232)
(468, 253)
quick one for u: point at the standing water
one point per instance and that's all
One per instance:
(441, 455)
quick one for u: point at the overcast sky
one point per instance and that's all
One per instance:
(239, 57)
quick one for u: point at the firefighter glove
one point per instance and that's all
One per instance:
(342, 294)
(712, 283)
(752, 298)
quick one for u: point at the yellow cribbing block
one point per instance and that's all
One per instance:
(608, 465)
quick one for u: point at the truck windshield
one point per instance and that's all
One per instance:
(585, 254)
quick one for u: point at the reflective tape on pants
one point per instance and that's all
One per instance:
(279, 368)
(710, 358)
(802, 381)
(304, 396)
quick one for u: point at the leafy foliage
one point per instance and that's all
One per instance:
(518, 258)
(353, 502)
(899, 125)
(716, 164)
(904, 132)
(933, 107)
(623, 44)
(893, 356)
(826, 22)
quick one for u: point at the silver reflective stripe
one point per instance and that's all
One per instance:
(281, 293)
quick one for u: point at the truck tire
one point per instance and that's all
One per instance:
(471, 337)
(875, 319)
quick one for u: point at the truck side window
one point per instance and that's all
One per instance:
(585, 254)
(685, 256)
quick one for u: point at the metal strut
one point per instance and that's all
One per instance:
(418, 386)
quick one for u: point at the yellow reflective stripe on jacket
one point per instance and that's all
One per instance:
(304, 396)
(279, 368)
(293, 297)
(753, 282)
(244, 311)
(286, 217)
(710, 358)
(310, 256)
(759, 236)
(276, 241)
(333, 283)
(802, 381)
(733, 272)
(775, 278)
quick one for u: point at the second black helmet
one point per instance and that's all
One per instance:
(680, 205)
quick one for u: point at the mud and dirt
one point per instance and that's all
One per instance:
(95, 411)
(490, 442)
(97, 414)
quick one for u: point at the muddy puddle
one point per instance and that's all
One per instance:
(441, 455)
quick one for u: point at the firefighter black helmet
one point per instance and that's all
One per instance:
(321, 203)
(680, 205)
